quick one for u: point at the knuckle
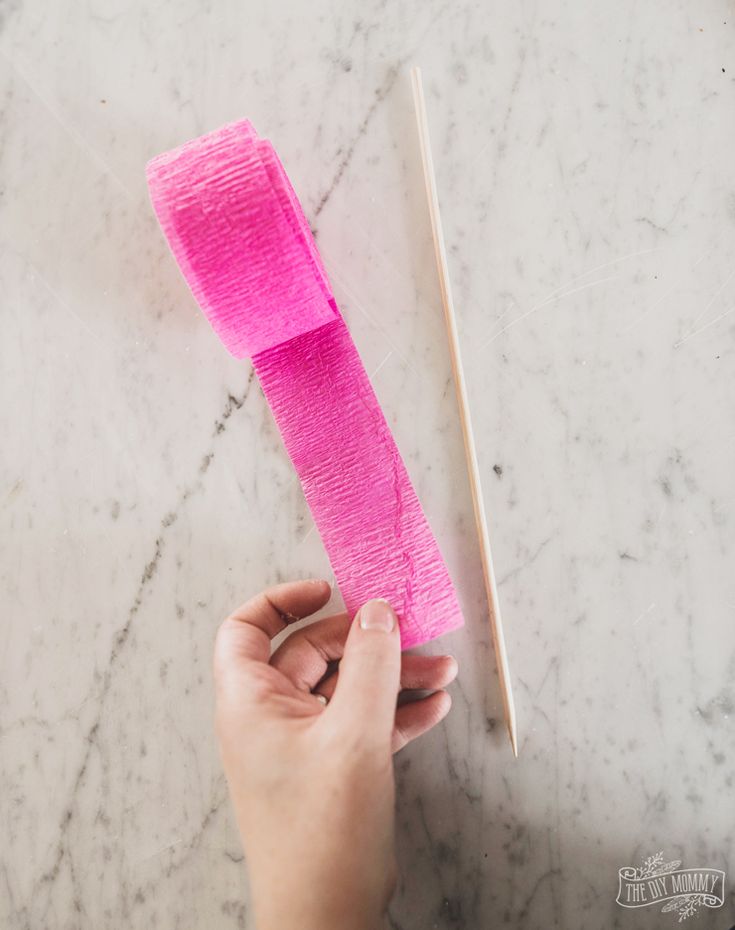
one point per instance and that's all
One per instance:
(372, 656)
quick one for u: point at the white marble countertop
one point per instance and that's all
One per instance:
(584, 157)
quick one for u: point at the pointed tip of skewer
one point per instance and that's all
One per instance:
(513, 740)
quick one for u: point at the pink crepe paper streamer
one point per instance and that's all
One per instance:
(241, 239)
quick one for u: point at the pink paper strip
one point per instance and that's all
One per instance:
(243, 243)
(355, 482)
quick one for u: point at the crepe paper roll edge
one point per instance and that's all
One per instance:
(243, 243)
(253, 278)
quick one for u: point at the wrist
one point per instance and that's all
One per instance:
(326, 906)
(295, 917)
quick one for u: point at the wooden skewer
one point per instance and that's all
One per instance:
(473, 470)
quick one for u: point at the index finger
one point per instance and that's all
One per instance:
(247, 632)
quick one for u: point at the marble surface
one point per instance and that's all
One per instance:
(584, 162)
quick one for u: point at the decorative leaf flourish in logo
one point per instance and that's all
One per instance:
(685, 906)
(655, 865)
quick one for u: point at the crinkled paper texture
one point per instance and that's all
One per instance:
(241, 239)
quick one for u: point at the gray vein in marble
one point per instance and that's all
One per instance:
(346, 157)
(381, 94)
(513, 572)
(232, 405)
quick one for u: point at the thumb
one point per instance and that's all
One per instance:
(370, 673)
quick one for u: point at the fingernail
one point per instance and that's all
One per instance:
(445, 705)
(377, 615)
(453, 667)
(320, 581)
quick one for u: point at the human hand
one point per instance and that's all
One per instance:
(307, 752)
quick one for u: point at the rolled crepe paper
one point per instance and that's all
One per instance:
(243, 244)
